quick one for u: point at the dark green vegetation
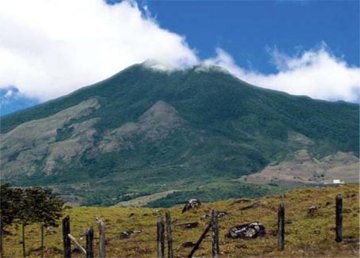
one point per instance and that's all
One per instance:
(27, 206)
(185, 130)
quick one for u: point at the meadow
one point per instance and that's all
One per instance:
(305, 234)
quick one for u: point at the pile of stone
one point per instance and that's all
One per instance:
(249, 230)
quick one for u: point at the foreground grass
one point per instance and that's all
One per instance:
(306, 235)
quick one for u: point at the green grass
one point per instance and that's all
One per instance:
(306, 236)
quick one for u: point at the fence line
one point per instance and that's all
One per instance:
(213, 224)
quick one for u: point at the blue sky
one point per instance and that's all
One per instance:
(300, 47)
(247, 28)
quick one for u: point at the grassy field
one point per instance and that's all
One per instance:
(306, 235)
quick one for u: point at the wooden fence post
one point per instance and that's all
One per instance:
(281, 227)
(66, 239)
(89, 243)
(160, 238)
(23, 240)
(101, 227)
(1, 239)
(42, 240)
(197, 244)
(339, 218)
(215, 241)
(169, 234)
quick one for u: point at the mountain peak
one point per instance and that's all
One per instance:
(160, 65)
(209, 67)
(205, 66)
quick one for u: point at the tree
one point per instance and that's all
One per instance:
(28, 206)
(39, 206)
(47, 209)
(9, 212)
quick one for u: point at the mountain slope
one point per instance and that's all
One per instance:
(144, 131)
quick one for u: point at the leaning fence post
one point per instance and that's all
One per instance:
(160, 238)
(89, 243)
(281, 227)
(169, 234)
(215, 228)
(66, 239)
(101, 227)
(339, 218)
(197, 244)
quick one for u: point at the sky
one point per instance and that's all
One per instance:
(49, 48)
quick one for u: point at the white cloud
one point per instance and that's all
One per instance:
(51, 47)
(315, 73)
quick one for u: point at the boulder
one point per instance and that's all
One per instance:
(192, 203)
(249, 230)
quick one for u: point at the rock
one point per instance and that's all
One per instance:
(288, 221)
(312, 211)
(347, 210)
(76, 250)
(241, 201)
(192, 203)
(140, 250)
(252, 206)
(351, 195)
(317, 231)
(189, 225)
(242, 246)
(220, 214)
(249, 230)
(127, 234)
(188, 244)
